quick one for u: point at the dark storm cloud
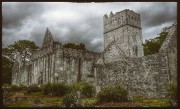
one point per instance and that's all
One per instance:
(77, 23)
(157, 14)
(15, 14)
(81, 32)
(37, 34)
(15, 17)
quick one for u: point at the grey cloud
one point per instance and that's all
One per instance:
(37, 35)
(87, 28)
(157, 14)
(80, 32)
(15, 14)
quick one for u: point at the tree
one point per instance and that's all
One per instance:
(152, 46)
(7, 65)
(81, 46)
(25, 47)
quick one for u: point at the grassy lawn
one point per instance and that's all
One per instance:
(88, 102)
(151, 102)
(116, 104)
(20, 104)
(49, 101)
(138, 102)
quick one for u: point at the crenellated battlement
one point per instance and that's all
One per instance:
(119, 19)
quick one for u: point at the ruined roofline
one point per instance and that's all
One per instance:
(59, 43)
(54, 48)
(167, 28)
(36, 56)
(171, 34)
(120, 19)
(55, 43)
(47, 43)
(113, 14)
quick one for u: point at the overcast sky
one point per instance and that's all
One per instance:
(78, 22)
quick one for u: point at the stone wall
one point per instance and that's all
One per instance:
(62, 65)
(144, 76)
(54, 63)
(169, 48)
(147, 76)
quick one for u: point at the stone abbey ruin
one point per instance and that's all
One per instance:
(122, 60)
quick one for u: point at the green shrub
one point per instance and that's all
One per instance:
(104, 94)
(22, 87)
(33, 88)
(74, 87)
(88, 90)
(14, 88)
(60, 89)
(112, 93)
(56, 89)
(88, 102)
(18, 88)
(172, 91)
(47, 88)
(69, 99)
(6, 85)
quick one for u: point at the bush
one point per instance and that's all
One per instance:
(60, 89)
(69, 99)
(112, 93)
(22, 87)
(75, 87)
(6, 85)
(47, 89)
(56, 89)
(88, 90)
(18, 88)
(88, 102)
(14, 88)
(104, 94)
(33, 88)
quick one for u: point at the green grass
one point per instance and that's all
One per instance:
(53, 101)
(47, 100)
(20, 104)
(151, 102)
(117, 104)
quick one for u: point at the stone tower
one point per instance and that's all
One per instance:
(124, 28)
(48, 39)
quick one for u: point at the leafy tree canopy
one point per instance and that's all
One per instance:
(7, 70)
(81, 46)
(152, 46)
(25, 47)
